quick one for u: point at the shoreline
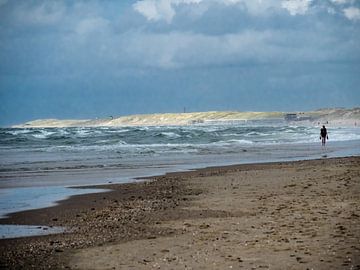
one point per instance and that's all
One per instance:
(65, 187)
(135, 211)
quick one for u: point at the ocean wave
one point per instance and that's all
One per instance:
(62, 150)
(343, 137)
(233, 142)
(16, 132)
(171, 135)
(124, 147)
(161, 138)
(42, 134)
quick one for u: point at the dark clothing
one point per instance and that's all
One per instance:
(323, 132)
(323, 135)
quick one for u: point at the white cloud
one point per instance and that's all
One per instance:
(156, 10)
(165, 10)
(352, 13)
(296, 7)
(160, 9)
(341, 2)
(185, 46)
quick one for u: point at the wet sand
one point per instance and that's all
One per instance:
(288, 215)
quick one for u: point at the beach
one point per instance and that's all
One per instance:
(285, 215)
(179, 134)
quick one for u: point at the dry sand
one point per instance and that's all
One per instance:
(293, 215)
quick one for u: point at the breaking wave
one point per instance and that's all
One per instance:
(99, 147)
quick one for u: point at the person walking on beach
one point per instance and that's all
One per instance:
(323, 135)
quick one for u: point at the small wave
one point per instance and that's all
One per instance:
(233, 142)
(102, 145)
(133, 140)
(39, 136)
(122, 130)
(344, 137)
(171, 135)
(230, 135)
(18, 131)
(84, 133)
(43, 134)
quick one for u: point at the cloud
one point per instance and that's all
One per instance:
(228, 32)
(3, 2)
(296, 7)
(246, 48)
(341, 2)
(258, 7)
(179, 48)
(166, 10)
(45, 13)
(91, 25)
(160, 9)
(157, 10)
(352, 13)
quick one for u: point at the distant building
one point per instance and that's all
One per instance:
(197, 121)
(295, 117)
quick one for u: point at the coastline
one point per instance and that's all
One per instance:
(171, 207)
(337, 116)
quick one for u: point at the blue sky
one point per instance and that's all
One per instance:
(88, 58)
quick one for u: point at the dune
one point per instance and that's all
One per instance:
(337, 116)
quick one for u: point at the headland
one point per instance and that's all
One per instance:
(333, 116)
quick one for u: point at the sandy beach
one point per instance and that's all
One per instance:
(288, 215)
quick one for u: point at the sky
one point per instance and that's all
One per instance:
(95, 58)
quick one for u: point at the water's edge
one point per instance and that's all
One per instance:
(15, 231)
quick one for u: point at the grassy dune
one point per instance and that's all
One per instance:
(335, 115)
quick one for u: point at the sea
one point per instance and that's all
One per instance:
(39, 166)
